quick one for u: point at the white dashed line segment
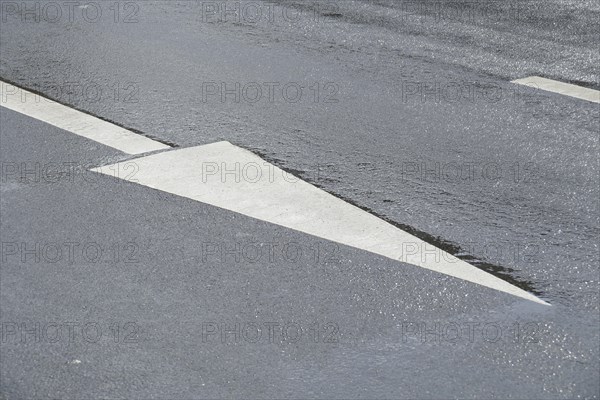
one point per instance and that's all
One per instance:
(235, 179)
(77, 122)
(566, 89)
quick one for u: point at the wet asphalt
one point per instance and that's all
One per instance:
(403, 108)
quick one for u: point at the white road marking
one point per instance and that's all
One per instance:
(235, 179)
(566, 89)
(74, 121)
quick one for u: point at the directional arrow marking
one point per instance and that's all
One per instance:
(235, 179)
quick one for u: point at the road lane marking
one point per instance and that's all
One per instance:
(229, 177)
(563, 88)
(77, 122)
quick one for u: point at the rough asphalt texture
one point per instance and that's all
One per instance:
(529, 208)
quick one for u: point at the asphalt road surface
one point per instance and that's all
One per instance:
(405, 109)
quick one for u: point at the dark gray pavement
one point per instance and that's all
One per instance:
(145, 317)
(388, 131)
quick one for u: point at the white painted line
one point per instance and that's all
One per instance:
(566, 89)
(77, 122)
(235, 179)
